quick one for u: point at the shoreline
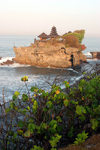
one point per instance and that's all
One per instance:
(90, 57)
(7, 116)
(86, 67)
(11, 60)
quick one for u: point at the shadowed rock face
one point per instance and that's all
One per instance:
(95, 55)
(98, 55)
(48, 54)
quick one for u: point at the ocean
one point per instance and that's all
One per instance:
(10, 76)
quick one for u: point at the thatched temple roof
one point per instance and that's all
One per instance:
(43, 36)
(53, 32)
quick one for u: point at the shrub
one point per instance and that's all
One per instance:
(71, 41)
(79, 34)
(81, 137)
(42, 121)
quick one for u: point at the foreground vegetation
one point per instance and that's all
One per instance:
(41, 120)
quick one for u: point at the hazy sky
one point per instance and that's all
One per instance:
(31, 17)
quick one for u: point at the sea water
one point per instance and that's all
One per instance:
(10, 76)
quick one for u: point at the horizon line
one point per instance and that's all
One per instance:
(37, 35)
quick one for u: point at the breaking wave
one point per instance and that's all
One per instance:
(5, 59)
(88, 54)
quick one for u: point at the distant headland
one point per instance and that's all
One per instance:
(53, 50)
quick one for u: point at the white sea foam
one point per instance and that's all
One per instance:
(15, 65)
(95, 59)
(72, 70)
(4, 59)
(88, 54)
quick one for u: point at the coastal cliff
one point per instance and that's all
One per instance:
(53, 50)
(49, 54)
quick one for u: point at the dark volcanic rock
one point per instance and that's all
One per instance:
(95, 55)
(98, 55)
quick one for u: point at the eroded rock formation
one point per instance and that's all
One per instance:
(48, 54)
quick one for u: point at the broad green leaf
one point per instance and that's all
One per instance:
(66, 102)
(80, 110)
(27, 134)
(94, 124)
(31, 127)
(21, 124)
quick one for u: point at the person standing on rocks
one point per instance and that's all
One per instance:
(72, 60)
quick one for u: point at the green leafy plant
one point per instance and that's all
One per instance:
(81, 137)
(79, 34)
(37, 148)
(94, 123)
(43, 120)
(54, 140)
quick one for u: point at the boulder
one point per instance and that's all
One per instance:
(95, 55)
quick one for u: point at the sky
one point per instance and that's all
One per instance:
(32, 17)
